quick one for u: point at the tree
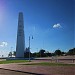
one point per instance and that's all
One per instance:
(57, 52)
(48, 54)
(35, 54)
(71, 52)
(63, 53)
(42, 54)
(10, 54)
(26, 53)
(14, 53)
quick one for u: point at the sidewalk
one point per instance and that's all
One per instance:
(8, 72)
(39, 70)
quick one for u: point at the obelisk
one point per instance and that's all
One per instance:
(20, 45)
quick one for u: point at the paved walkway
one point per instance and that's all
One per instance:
(9, 72)
(36, 70)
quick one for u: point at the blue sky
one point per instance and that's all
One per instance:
(51, 22)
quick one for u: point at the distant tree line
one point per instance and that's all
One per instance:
(44, 53)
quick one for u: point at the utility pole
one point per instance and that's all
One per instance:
(29, 47)
(11, 51)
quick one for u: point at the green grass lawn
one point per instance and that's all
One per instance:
(12, 61)
(41, 63)
(50, 64)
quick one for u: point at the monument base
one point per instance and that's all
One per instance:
(14, 58)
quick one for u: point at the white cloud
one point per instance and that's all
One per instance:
(57, 25)
(3, 44)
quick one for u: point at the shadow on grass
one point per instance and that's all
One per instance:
(22, 71)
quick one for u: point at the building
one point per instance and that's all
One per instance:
(20, 44)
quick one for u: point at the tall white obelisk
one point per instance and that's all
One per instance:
(20, 45)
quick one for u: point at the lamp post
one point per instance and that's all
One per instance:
(11, 51)
(29, 47)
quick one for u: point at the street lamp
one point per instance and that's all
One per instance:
(11, 51)
(29, 47)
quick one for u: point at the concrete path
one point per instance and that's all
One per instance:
(9, 72)
(37, 70)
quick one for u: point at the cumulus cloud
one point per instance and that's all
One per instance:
(57, 25)
(3, 44)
